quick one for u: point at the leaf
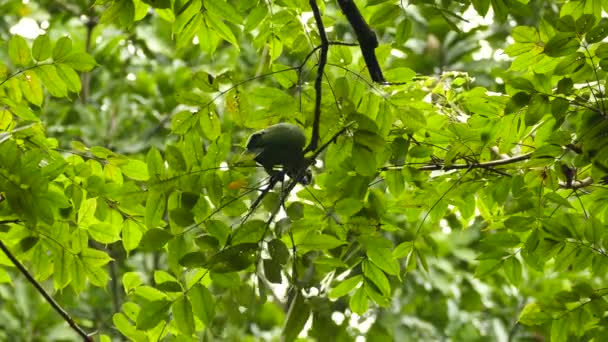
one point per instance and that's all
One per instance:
(487, 267)
(86, 212)
(384, 14)
(41, 49)
(223, 9)
(51, 80)
(383, 258)
(598, 33)
(534, 314)
(358, 302)
(297, 315)
(152, 313)
(501, 239)
(193, 259)
(202, 303)
(314, 241)
(105, 232)
(94, 257)
(345, 287)
(155, 208)
(182, 314)
(155, 239)
(570, 64)
(218, 26)
(538, 107)
(32, 88)
(513, 270)
(62, 48)
(135, 169)
(80, 61)
(233, 259)
(278, 251)
(374, 274)
(131, 235)
(210, 124)
(272, 271)
(69, 76)
(562, 44)
(19, 51)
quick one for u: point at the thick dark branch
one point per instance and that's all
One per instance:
(314, 139)
(47, 297)
(367, 38)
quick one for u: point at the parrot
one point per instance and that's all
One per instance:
(281, 144)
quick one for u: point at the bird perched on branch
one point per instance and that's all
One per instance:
(281, 145)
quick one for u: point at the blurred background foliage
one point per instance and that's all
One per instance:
(124, 190)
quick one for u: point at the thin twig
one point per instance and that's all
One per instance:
(486, 165)
(44, 294)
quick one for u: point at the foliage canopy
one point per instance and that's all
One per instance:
(465, 198)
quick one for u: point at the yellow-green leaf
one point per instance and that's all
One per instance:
(19, 51)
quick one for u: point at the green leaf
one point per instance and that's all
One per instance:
(487, 267)
(94, 257)
(538, 107)
(272, 271)
(69, 76)
(278, 251)
(297, 315)
(501, 239)
(32, 88)
(155, 208)
(345, 286)
(525, 34)
(51, 80)
(155, 239)
(234, 258)
(193, 259)
(182, 314)
(513, 270)
(131, 235)
(584, 23)
(385, 14)
(534, 314)
(41, 49)
(62, 48)
(152, 313)
(130, 281)
(223, 9)
(202, 303)
(135, 169)
(570, 64)
(383, 258)
(223, 31)
(358, 302)
(86, 212)
(19, 51)
(598, 33)
(210, 124)
(374, 274)
(562, 44)
(105, 232)
(80, 61)
(314, 241)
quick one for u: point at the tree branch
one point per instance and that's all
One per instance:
(486, 165)
(367, 38)
(47, 297)
(314, 139)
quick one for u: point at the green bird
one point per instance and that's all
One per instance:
(281, 145)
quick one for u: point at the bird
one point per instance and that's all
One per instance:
(281, 144)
